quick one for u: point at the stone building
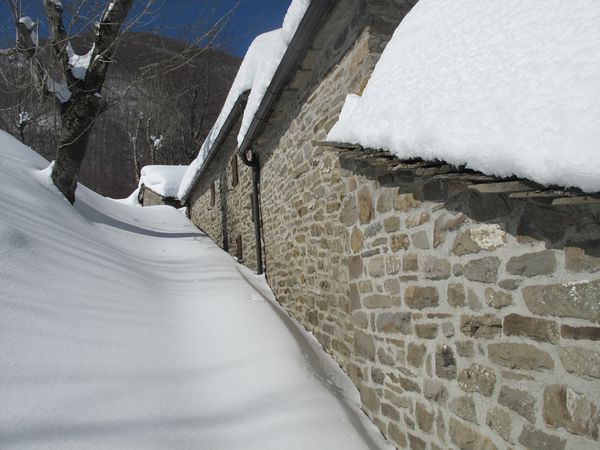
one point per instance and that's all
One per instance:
(465, 308)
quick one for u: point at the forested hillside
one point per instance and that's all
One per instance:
(162, 98)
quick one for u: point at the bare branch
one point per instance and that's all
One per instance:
(58, 36)
(106, 32)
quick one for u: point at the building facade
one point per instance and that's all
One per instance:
(465, 308)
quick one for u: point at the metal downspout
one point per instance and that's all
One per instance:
(255, 165)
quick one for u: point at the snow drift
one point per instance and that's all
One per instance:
(506, 88)
(126, 328)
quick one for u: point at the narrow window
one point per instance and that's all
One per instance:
(213, 194)
(234, 172)
(239, 250)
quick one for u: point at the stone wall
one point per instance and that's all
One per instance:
(465, 334)
(457, 333)
(466, 320)
(151, 198)
(229, 221)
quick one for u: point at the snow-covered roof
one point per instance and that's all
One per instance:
(164, 180)
(507, 88)
(254, 75)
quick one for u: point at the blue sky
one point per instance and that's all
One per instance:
(251, 18)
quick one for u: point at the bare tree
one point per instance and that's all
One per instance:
(79, 88)
(178, 85)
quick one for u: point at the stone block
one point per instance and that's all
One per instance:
(419, 297)
(396, 436)
(456, 295)
(448, 329)
(445, 362)
(399, 242)
(364, 203)
(426, 330)
(466, 349)
(435, 391)
(580, 361)
(464, 407)
(538, 329)
(420, 240)
(385, 201)
(408, 384)
(410, 262)
(389, 411)
(434, 268)
(510, 284)
(377, 301)
(520, 356)
(497, 299)
(392, 286)
(533, 264)
(391, 224)
(565, 408)
(483, 237)
(373, 229)
(405, 202)
(377, 375)
(477, 378)
(394, 322)
(578, 333)
(356, 240)
(385, 358)
(370, 399)
(486, 326)
(416, 443)
(466, 438)
(349, 212)
(364, 345)
(443, 224)
(393, 264)
(415, 354)
(578, 300)
(424, 417)
(519, 401)
(417, 219)
(376, 266)
(484, 270)
(534, 439)
(355, 266)
(360, 319)
(354, 297)
(577, 261)
(499, 421)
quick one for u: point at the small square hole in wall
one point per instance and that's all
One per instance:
(239, 248)
(235, 179)
(213, 194)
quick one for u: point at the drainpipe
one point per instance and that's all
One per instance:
(255, 165)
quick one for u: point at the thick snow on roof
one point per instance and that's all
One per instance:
(127, 328)
(509, 87)
(164, 180)
(254, 75)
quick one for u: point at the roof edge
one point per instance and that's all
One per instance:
(229, 123)
(315, 13)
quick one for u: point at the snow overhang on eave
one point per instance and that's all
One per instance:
(230, 122)
(314, 15)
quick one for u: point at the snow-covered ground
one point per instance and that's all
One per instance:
(126, 328)
(506, 87)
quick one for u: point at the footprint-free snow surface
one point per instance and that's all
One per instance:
(126, 328)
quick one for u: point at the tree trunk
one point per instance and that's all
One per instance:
(78, 117)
